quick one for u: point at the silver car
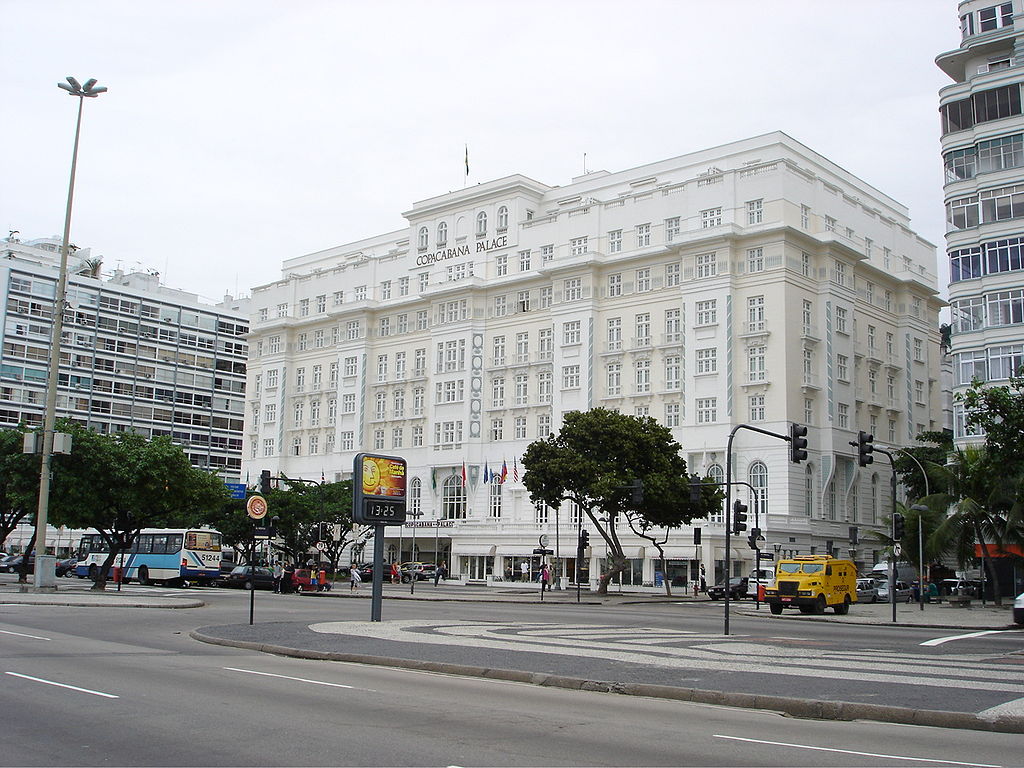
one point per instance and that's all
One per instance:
(903, 592)
(867, 591)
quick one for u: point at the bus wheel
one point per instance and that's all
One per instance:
(143, 576)
(775, 608)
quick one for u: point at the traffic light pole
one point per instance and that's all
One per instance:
(892, 528)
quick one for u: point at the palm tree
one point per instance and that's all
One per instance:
(980, 509)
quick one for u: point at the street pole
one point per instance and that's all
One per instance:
(920, 536)
(44, 572)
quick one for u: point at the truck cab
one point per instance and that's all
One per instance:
(813, 583)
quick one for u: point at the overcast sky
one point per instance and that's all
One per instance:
(239, 133)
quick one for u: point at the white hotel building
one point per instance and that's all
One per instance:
(755, 282)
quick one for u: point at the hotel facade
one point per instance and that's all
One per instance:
(756, 282)
(983, 157)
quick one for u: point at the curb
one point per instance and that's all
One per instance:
(869, 623)
(70, 602)
(804, 708)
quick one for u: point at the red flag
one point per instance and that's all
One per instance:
(504, 471)
(464, 474)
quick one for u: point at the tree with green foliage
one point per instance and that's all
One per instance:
(998, 412)
(19, 482)
(934, 448)
(593, 461)
(122, 483)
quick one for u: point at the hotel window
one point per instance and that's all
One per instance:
(384, 326)
(869, 293)
(317, 376)
(321, 302)
(381, 405)
(710, 217)
(500, 306)
(755, 259)
(918, 350)
(422, 320)
(519, 428)
(545, 297)
(270, 413)
(497, 429)
(888, 301)
(348, 440)
(423, 239)
(398, 401)
(614, 333)
(523, 301)
(378, 439)
(805, 216)
(672, 415)
(300, 379)
(839, 274)
(842, 368)
(339, 298)
(571, 377)
(673, 275)
(830, 224)
(643, 280)
(385, 290)
(890, 387)
(302, 342)
(424, 279)
(448, 434)
(332, 411)
(403, 286)
(272, 377)
(502, 218)
(873, 381)
(707, 265)
(545, 385)
(707, 410)
(498, 392)
(672, 325)
(523, 347)
(282, 310)
(351, 366)
(352, 330)
(808, 410)
(995, 17)
(274, 344)
(494, 500)
(805, 264)
(841, 317)
(571, 333)
(887, 258)
(843, 411)
(450, 391)
(522, 389)
(892, 430)
(573, 289)
(397, 437)
(501, 265)
(546, 343)
(442, 233)
(524, 261)
(615, 241)
(498, 350)
(707, 313)
(382, 368)
(673, 372)
(335, 334)
(643, 235)
(615, 284)
(643, 330)
(403, 325)
(268, 446)
(755, 406)
(318, 339)
(918, 391)
(707, 360)
(547, 253)
(419, 363)
(642, 411)
(613, 377)
(262, 314)
(481, 224)
(754, 211)
(360, 293)
(419, 396)
(543, 426)
(643, 376)
(755, 314)
(578, 246)
(755, 364)
(671, 229)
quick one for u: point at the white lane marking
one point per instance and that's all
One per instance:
(854, 752)
(62, 685)
(298, 679)
(22, 634)
(941, 640)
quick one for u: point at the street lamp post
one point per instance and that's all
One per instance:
(44, 573)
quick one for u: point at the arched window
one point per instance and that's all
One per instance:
(758, 474)
(481, 224)
(502, 219)
(424, 239)
(442, 233)
(809, 491)
(416, 495)
(453, 499)
(716, 473)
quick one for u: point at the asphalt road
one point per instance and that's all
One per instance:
(179, 702)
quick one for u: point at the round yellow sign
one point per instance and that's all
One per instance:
(256, 506)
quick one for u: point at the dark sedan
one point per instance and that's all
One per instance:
(737, 589)
(242, 576)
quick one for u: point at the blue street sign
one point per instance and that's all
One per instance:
(237, 490)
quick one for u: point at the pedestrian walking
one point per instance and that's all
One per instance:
(545, 575)
(508, 573)
(355, 578)
(524, 571)
(278, 575)
(440, 573)
(314, 582)
(394, 573)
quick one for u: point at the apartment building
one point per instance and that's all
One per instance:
(983, 157)
(755, 282)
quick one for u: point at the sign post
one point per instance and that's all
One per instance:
(256, 508)
(378, 500)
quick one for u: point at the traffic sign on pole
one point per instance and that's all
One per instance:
(256, 507)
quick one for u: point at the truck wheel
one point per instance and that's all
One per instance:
(806, 609)
(842, 610)
(775, 608)
(820, 605)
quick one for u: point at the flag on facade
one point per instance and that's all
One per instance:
(467, 160)
(515, 469)
(464, 475)
(487, 474)
(504, 471)
(323, 479)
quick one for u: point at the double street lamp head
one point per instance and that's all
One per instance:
(90, 90)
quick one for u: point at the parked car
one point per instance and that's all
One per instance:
(1018, 609)
(302, 581)
(737, 589)
(66, 567)
(13, 564)
(4, 560)
(421, 570)
(243, 576)
(366, 572)
(959, 587)
(903, 592)
(867, 591)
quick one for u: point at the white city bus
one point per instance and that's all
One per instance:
(174, 556)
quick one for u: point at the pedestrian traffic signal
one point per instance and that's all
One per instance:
(898, 526)
(696, 536)
(265, 482)
(695, 489)
(797, 443)
(865, 447)
(637, 487)
(739, 517)
(324, 532)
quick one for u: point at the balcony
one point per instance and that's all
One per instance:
(810, 381)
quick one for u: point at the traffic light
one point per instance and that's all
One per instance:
(637, 487)
(898, 526)
(865, 447)
(739, 517)
(695, 489)
(584, 541)
(696, 536)
(797, 443)
(265, 482)
(324, 533)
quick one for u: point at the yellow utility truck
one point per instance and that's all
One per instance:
(813, 583)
